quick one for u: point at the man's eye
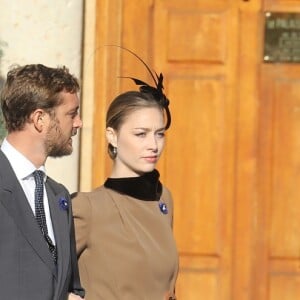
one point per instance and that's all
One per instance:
(73, 115)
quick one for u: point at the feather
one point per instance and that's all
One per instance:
(156, 91)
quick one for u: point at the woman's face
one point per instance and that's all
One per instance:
(139, 141)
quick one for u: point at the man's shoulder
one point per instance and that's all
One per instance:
(3, 157)
(6, 171)
(57, 186)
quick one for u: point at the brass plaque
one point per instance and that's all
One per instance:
(282, 37)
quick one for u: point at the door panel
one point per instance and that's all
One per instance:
(280, 165)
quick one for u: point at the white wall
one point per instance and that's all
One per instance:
(47, 32)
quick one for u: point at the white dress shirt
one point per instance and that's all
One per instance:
(23, 169)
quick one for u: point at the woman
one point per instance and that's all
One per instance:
(125, 245)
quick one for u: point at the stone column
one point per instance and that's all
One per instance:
(47, 32)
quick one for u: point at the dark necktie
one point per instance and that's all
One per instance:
(40, 212)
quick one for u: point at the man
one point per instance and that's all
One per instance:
(37, 247)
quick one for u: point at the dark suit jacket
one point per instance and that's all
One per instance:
(27, 271)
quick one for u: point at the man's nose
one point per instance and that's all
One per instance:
(78, 122)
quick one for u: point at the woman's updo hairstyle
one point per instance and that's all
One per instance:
(126, 103)
(122, 106)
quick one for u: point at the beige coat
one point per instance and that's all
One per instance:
(125, 246)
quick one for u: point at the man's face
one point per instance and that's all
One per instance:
(63, 125)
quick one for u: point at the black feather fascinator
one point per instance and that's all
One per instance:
(156, 91)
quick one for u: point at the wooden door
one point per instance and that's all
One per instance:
(233, 186)
(266, 224)
(278, 221)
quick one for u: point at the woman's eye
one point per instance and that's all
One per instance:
(141, 134)
(161, 134)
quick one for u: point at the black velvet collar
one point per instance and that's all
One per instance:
(146, 187)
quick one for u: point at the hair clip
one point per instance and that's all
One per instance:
(157, 91)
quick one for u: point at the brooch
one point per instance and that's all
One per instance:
(63, 203)
(163, 207)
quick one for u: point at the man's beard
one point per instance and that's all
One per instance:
(56, 150)
(56, 146)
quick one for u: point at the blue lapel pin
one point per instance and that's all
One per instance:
(63, 203)
(163, 207)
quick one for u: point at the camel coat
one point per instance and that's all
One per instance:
(125, 246)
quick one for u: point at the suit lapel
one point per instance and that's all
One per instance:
(14, 200)
(60, 225)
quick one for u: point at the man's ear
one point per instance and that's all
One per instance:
(111, 136)
(37, 118)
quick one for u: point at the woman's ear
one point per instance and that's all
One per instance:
(111, 136)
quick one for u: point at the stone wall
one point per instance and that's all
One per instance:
(47, 32)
